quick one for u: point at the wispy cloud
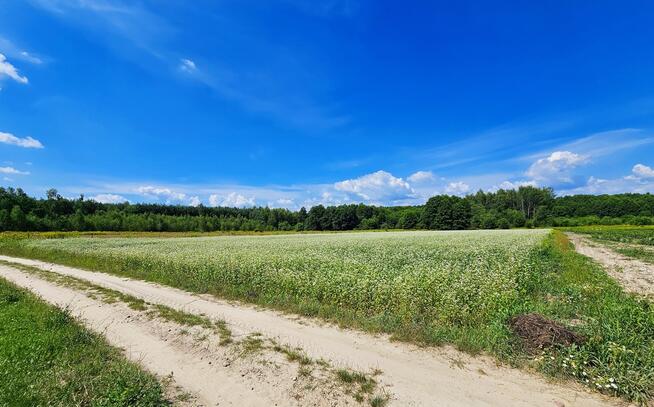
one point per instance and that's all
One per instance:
(10, 71)
(602, 144)
(27, 142)
(327, 8)
(124, 26)
(186, 65)
(279, 90)
(9, 49)
(12, 171)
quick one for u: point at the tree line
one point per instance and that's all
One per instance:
(525, 207)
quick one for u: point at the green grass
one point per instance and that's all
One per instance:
(642, 235)
(47, 358)
(431, 288)
(631, 241)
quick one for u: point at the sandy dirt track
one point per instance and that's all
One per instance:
(413, 376)
(634, 275)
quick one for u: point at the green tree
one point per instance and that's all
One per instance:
(445, 212)
(17, 219)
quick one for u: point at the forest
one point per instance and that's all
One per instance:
(525, 207)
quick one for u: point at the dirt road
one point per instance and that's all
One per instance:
(634, 275)
(411, 376)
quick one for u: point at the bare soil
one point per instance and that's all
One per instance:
(634, 275)
(409, 375)
(538, 332)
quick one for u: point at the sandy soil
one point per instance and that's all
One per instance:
(412, 376)
(634, 275)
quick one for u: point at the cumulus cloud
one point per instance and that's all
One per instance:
(556, 167)
(194, 201)
(232, 200)
(27, 142)
(187, 65)
(457, 188)
(168, 194)
(12, 170)
(161, 192)
(379, 186)
(7, 69)
(109, 198)
(421, 177)
(506, 185)
(641, 180)
(642, 171)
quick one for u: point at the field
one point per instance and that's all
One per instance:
(631, 241)
(47, 358)
(461, 288)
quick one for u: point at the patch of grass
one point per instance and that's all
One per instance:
(251, 345)
(47, 358)
(378, 401)
(179, 317)
(643, 235)
(224, 332)
(294, 355)
(361, 385)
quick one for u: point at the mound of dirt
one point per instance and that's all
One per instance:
(538, 332)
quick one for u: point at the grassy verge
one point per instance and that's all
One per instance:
(617, 357)
(47, 358)
(632, 241)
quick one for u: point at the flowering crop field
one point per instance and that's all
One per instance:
(435, 276)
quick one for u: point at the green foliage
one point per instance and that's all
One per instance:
(621, 234)
(483, 210)
(47, 359)
(445, 212)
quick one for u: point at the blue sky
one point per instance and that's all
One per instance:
(292, 103)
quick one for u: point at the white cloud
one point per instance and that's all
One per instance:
(643, 171)
(9, 49)
(12, 170)
(556, 167)
(506, 185)
(232, 200)
(457, 188)
(187, 65)
(109, 198)
(641, 180)
(168, 194)
(27, 142)
(379, 186)
(7, 69)
(421, 176)
(26, 56)
(194, 201)
(282, 203)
